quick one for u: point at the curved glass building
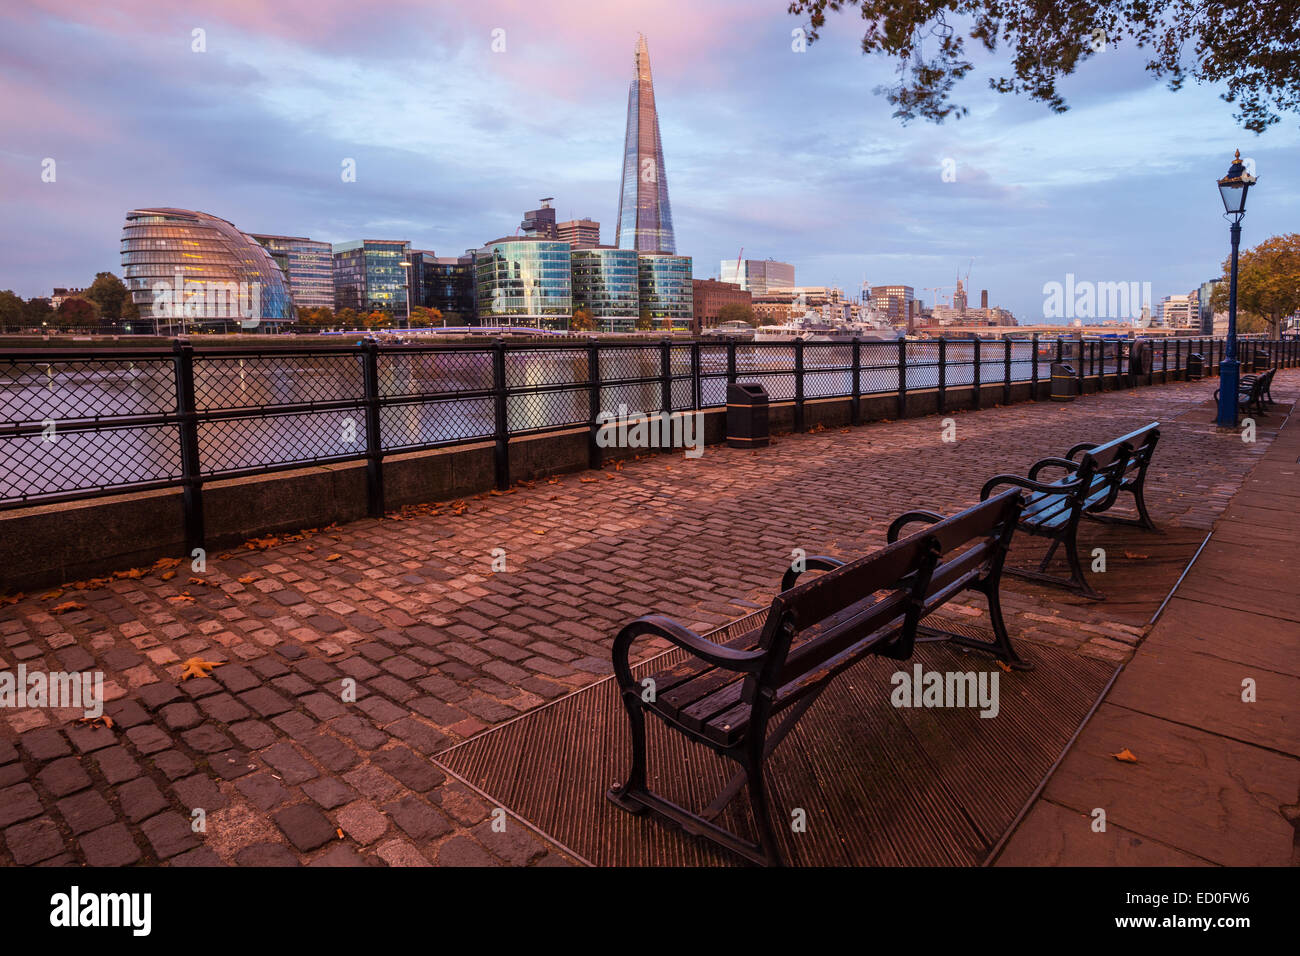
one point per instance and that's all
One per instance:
(524, 281)
(187, 269)
(645, 217)
(606, 284)
(666, 294)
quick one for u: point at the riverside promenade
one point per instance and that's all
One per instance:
(444, 646)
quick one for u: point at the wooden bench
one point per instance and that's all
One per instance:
(1253, 391)
(725, 695)
(1090, 487)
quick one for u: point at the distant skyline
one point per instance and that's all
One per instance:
(787, 154)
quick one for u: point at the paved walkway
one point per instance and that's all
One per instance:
(442, 645)
(1208, 706)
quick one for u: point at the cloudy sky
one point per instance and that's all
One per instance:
(787, 154)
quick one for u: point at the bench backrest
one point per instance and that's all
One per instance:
(813, 624)
(1126, 454)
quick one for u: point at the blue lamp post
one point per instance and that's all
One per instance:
(1232, 188)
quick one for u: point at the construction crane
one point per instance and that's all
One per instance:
(935, 289)
(739, 282)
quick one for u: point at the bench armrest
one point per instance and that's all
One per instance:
(1065, 463)
(743, 662)
(929, 517)
(1027, 484)
(816, 562)
(1082, 446)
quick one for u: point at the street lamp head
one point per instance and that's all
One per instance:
(1233, 188)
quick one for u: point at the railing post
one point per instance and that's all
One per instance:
(1006, 371)
(501, 457)
(374, 446)
(697, 383)
(731, 361)
(1060, 349)
(943, 375)
(902, 377)
(666, 377)
(593, 402)
(798, 385)
(1178, 358)
(975, 371)
(1164, 363)
(1078, 373)
(191, 478)
(1033, 390)
(1099, 363)
(855, 410)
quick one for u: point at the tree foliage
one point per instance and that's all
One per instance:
(1268, 283)
(736, 312)
(1251, 48)
(77, 312)
(110, 294)
(582, 321)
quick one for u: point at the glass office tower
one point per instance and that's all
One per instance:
(645, 219)
(369, 276)
(187, 269)
(309, 266)
(524, 281)
(606, 284)
(666, 294)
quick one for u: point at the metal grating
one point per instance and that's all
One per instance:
(880, 786)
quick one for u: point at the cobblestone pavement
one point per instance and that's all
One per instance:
(441, 646)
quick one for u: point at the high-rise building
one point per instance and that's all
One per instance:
(1178, 312)
(185, 268)
(984, 298)
(894, 302)
(758, 276)
(606, 282)
(540, 222)
(524, 281)
(959, 298)
(309, 267)
(645, 218)
(665, 292)
(369, 276)
(1205, 309)
(442, 283)
(580, 233)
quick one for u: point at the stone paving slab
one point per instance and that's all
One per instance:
(1254, 640)
(1052, 835)
(409, 614)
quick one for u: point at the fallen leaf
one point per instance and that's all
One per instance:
(51, 595)
(202, 581)
(198, 667)
(133, 573)
(167, 575)
(66, 606)
(339, 831)
(588, 480)
(163, 563)
(1005, 666)
(334, 557)
(539, 531)
(247, 579)
(1135, 556)
(11, 599)
(103, 720)
(182, 598)
(1126, 756)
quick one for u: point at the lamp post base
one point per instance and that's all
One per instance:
(1229, 376)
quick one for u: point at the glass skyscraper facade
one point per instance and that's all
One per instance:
(309, 266)
(187, 269)
(369, 276)
(523, 281)
(445, 284)
(606, 284)
(666, 294)
(645, 219)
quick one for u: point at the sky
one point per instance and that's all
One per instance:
(786, 154)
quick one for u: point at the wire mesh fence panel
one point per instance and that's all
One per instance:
(828, 370)
(959, 364)
(257, 442)
(622, 364)
(59, 462)
(879, 367)
(771, 366)
(535, 411)
(529, 368)
(404, 426)
(679, 362)
(634, 399)
(713, 375)
(434, 373)
(33, 391)
(263, 381)
(1022, 361)
(922, 364)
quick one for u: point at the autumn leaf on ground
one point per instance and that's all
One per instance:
(163, 564)
(1135, 556)
(11, 599)
(167, 575)
(247, 579)
(198, 667)
(183, 598)
(51, 595)
(588, 480)
(552, 481)
(134, 573)
(539, 531)
(202, 581)
(1126, 756)
(334, 557)
(618, 466)
(1005, 666)
(103, 720)
(66, 606)
(309, 547)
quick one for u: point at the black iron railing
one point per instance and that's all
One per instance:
(76, 424)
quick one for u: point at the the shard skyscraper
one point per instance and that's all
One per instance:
(645, 220)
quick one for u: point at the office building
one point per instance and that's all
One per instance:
(443, 283)
(579, 233)
(757, 276)
(369, 276)
(606, 283)
(1206, 316)
(709, 296)
(665, 291)
(645, 218)
(540, 223)
(524, 281)
(309, 267)
(187, 269)
(894, 303)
